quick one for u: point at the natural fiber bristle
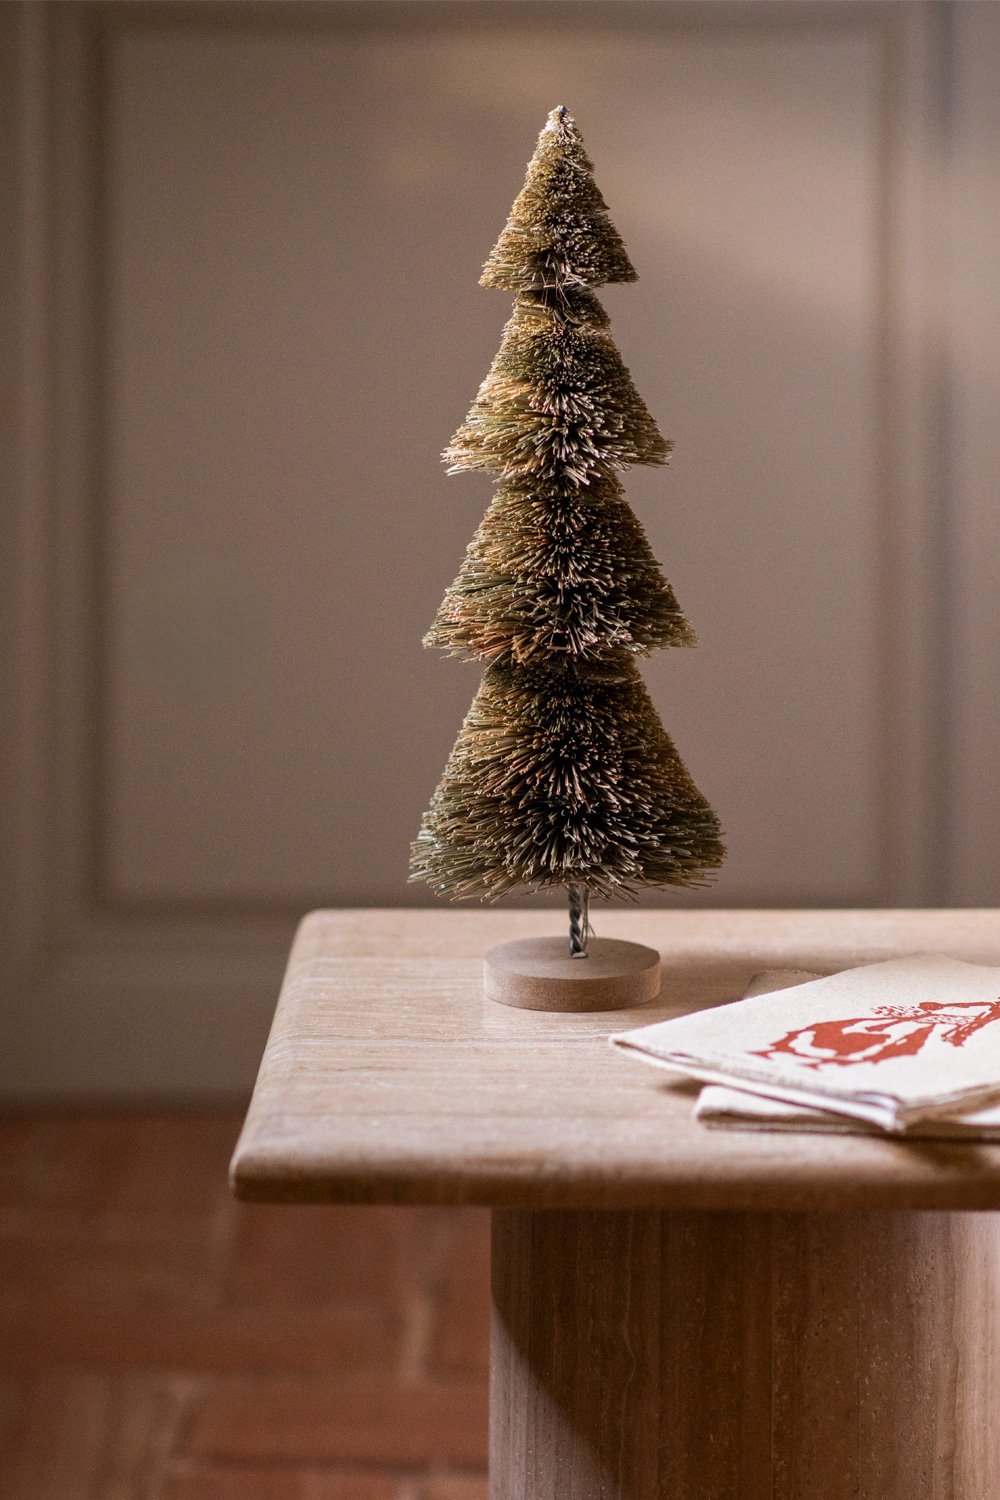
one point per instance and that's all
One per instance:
(562, 773)
(558, 233)
(550, 572)
(558, 405)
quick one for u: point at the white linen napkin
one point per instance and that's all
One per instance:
(890, 1044)
(734, 1109)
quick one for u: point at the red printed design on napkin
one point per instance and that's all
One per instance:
(893, 1043)
(889, 1031)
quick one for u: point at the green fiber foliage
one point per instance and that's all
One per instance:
(558, 233)
(558, 403)
(550, 573)
(562, 772)
(561, 775)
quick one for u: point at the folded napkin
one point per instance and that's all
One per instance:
(734, 1109)
(891, 1044)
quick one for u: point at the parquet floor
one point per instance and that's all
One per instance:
(160, 1342)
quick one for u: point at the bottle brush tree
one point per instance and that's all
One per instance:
(562, 773)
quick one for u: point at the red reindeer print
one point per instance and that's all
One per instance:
(890, 1031)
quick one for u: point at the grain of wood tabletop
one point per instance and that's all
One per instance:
(388, 1078)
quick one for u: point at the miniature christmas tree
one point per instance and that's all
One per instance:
(562, 773)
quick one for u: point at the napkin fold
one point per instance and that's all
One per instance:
(733, 1109)
(909, 1045)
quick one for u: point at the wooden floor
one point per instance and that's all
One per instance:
(160, 1342)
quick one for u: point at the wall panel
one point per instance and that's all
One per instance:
(263, 226)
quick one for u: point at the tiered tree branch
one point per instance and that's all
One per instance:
(562, 773)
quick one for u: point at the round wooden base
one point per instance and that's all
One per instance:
(538, 974)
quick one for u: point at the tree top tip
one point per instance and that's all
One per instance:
(558, 232)
(559, 120)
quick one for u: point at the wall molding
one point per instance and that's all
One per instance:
(210, 969)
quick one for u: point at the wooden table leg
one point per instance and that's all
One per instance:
(728, 1356)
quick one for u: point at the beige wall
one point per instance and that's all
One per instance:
(247, 320)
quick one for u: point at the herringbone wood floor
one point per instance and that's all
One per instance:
(160, 1342)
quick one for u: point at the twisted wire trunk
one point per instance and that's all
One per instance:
(579, 920)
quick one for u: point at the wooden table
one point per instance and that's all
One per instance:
(677, 1312)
